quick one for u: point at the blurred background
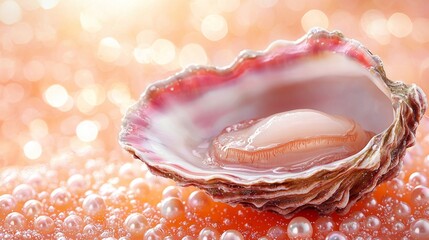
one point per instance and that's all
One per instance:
(69, 69)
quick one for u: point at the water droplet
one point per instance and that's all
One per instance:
(299, 227)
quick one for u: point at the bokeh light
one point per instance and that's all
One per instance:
(32, 150)
(70, 69)
(56, 96)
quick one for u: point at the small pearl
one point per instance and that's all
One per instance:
(32, 208)
(372, 222)
(73, 224)
(231, 235)
(94, 206)
(420, 229)
(172, 207)
(60, 198)
(299, 227)
(136, 224)
(208, 233)
(14, 222)
(44, 225)
(198, 200)
(336, 236)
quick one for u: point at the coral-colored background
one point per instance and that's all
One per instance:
(69, 69)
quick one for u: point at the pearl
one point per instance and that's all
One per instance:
(44, 225)
(136, 224)
(299, 227)
(208, 233)
(94, 206)
(15, 222)
(231, 235)
(172, 207)
(420, 229)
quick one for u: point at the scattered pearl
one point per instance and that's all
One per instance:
(198, 200)
(372, 223)
(15, 222)
(32, 208)
(208, 233)
(94, 206)
(151, 235)
(171, 191)
(139, 188)
(117, 198)
(44, 225)
(402, 210)
(90, 230)
(420, 196)
(172, 208)
(7, 204)
(277, 232)
(231, 235)
(420, 229)
(417, 178)
(336, 236)
(60, 198)
(136, 224)
(23, 193)
(299, 227)
(76, 184)
(73, 224)
(324, 224)
(349, 226)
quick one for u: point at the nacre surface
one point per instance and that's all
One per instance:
(173, 125)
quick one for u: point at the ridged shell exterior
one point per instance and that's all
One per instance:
(325, 189)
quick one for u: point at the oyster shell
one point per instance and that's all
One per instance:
(173, 126)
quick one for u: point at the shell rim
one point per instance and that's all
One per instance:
(185, 178)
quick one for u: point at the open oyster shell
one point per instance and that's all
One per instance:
(172, 125)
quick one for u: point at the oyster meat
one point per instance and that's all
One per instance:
(313, 123)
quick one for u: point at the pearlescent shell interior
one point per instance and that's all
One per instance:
(171, 126)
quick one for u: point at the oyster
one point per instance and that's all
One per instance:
(313, 123)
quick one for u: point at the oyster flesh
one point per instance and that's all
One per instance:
(313, 123)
